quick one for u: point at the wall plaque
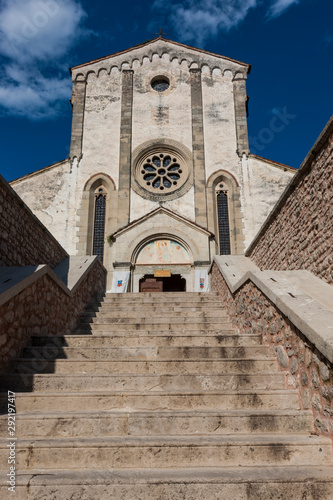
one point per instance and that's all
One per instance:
(162, 273)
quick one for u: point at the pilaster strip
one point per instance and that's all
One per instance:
(125, 148)
(200, 197)
(78, 102)
(240, 99)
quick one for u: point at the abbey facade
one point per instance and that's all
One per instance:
(160, 177)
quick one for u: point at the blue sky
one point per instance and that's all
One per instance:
(288, 42)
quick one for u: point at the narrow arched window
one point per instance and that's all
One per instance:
(223, 219)
(99, 223)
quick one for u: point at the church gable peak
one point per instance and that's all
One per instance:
(159, 49)
(155, 213)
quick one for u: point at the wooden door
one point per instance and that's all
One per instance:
(151, 285)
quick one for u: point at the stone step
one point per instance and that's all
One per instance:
(137, 296)
(136, 329)
(217, 327)
(158, 298)
(165, 300)
(170, 452)
(169, 307)
(228, 483)
(190, 382)
(160, 319)
(134, 338)
(204, 366)
(162, 352)
(108, 423)
(156, 400)
(160, 314)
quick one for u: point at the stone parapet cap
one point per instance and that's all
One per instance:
(67, 275)
(306, 300)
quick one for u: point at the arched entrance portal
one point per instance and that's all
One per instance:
(172, 283)
(163, 265)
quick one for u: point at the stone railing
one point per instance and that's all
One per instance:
(298, 232)
(293, 310)
(24, 239)
(36, 300)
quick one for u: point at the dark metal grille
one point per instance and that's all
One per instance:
(99, 227)
(223, 219)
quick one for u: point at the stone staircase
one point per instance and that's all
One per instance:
(155, 397)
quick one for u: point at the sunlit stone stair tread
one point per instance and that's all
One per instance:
(120, 423)
(151, 382)
(210, 366)
(147, 339)
(251, 483)
(157, 400)
(151, 352)
(170, 451)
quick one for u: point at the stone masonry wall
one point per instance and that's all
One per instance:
(24, 239)
(298, 233)
(44, 308)
(307, 370)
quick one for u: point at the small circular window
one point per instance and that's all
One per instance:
(160, 83)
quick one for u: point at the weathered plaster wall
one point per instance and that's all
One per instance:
(219, 122)
(162, 114)
(24, 240)
(50, 194)
(262, 182)
(298, 234)
(183, 205)
(101, 132)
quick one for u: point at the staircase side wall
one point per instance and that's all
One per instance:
(24, 239)
(306, 368)
(298, 232)
(45, 307)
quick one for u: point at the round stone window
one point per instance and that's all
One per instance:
(162, 172)
(160, 83)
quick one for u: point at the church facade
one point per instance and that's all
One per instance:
(160, 177)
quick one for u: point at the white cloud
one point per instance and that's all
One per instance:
(34, 37)
(197, 20)
(280, 6)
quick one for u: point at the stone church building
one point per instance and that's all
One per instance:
(160, 177)
(137, 396)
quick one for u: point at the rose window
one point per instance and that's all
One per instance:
(161, 172)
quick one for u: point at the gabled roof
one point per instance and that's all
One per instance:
(166, 211)
(154, 40)
(282, 166)
(39, 171)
